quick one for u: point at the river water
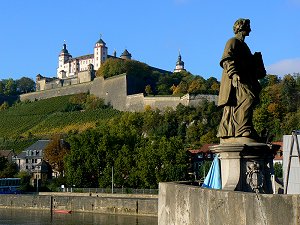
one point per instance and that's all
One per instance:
(41, 217)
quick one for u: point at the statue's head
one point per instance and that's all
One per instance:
(241, 25)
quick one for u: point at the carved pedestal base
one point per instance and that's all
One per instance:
(246, 167)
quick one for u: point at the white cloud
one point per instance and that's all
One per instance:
(283, 67)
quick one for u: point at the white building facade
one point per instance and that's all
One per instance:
(69, 67)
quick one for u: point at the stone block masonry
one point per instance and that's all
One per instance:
(127, 204)
(180, 203)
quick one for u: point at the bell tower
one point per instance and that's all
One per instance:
(179, 65)
(63, 57)
(100, 53)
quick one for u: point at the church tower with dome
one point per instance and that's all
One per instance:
(179, 65)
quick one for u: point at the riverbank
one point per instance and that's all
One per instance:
(126, 204)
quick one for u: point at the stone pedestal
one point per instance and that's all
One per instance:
(246, 167)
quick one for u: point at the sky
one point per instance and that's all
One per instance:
(153, 31)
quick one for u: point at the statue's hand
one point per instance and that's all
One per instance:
(235, 80)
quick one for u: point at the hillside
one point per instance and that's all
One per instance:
(47, 117)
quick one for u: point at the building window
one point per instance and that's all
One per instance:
(26, 160)
(32, 160)
(35, 160)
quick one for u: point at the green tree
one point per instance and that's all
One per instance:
(25, 85)
(148, 89)
(278, 170)
(7, 169)
(111, 67)
(10, 87)
(289, 93)
(25, 181)
(182, 88)
(197, 86)
(213, 85)
(172, 165)
(2, 87)
(84, 164)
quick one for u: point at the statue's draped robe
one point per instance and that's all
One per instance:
(238, 102)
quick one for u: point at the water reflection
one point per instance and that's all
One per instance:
(39, 217)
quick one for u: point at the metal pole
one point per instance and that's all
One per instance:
(112, 179)
(37, 183)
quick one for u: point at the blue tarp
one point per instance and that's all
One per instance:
(213, 178)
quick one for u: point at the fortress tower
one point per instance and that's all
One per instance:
(100, 53)
(63, 58)
(179, 65)
(125, 55)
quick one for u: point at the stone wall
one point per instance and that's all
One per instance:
(186, 204)
(135, 103)
(120, 92)
(161, 102)
(68, 90)
(127, 204)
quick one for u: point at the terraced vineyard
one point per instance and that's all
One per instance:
(47, 117)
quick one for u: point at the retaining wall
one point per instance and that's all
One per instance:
(186, 204)
(126, 204)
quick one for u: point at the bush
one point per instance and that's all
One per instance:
(278, 170)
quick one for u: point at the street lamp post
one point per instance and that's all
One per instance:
(112, 179)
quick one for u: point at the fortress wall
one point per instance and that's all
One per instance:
(135, 103)
(68, 90)
(97, 87)
(179, 203)
(194, 100)
(163, 102)
(119, 91)
(112, 90)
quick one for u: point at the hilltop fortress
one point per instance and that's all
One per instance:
(77, 75)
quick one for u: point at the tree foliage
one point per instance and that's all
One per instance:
(7, 169)
(277, 113)
(25, 85)
(10, 86)
(143, 149)
(161, 83)
(55, 152)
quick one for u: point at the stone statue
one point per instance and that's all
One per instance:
(239, 91)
